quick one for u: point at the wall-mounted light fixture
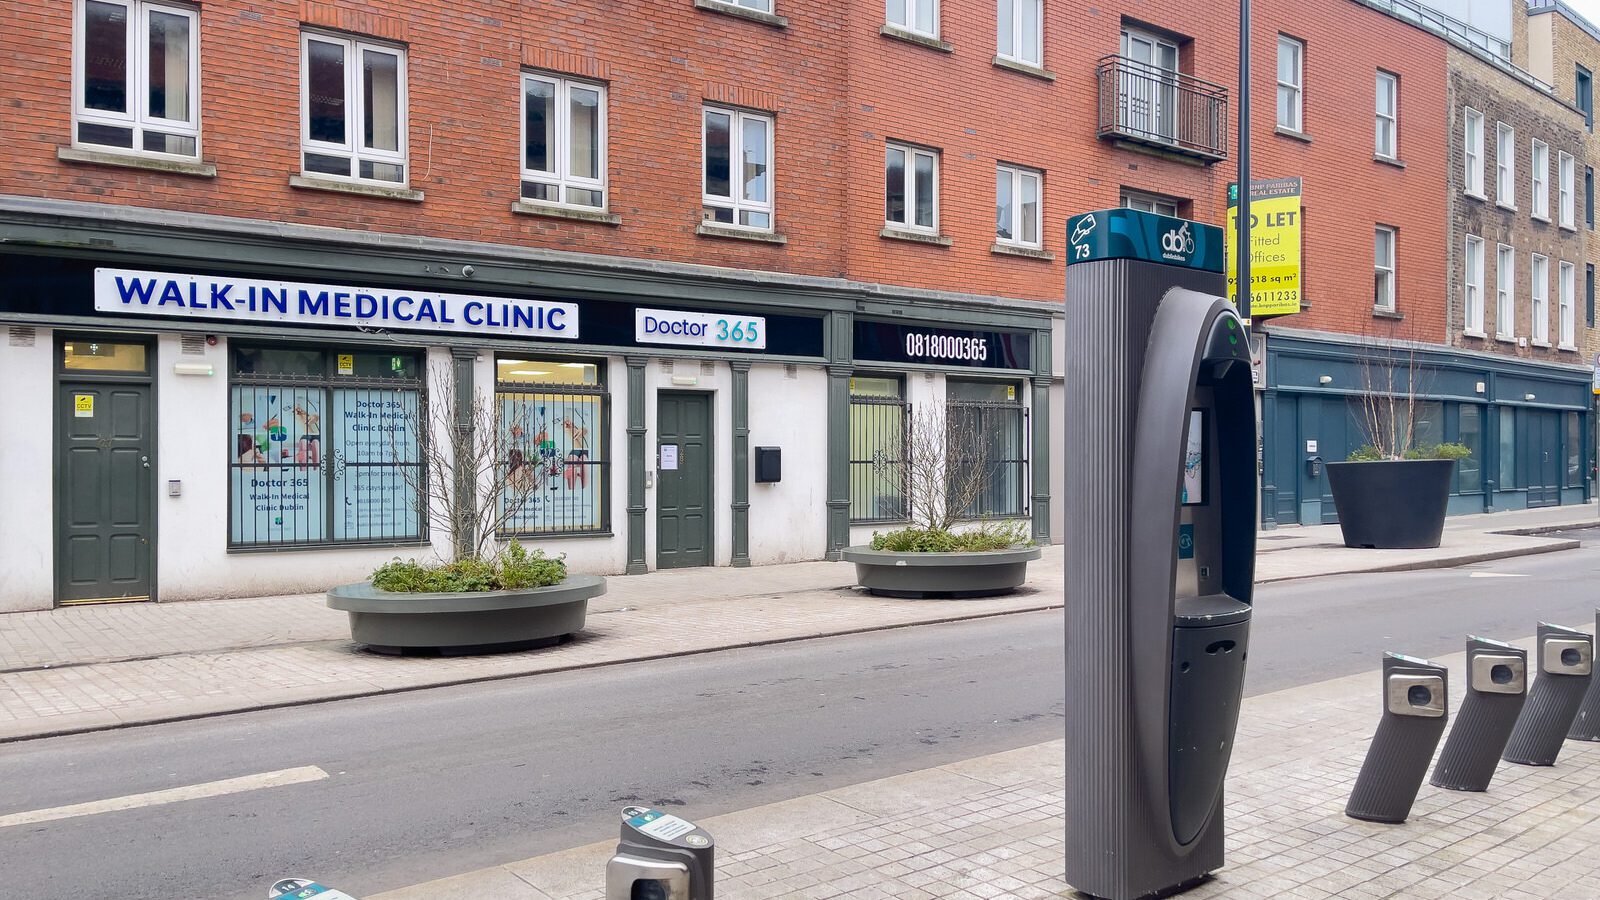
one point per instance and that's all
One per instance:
(1325, 379)
(1529, 397)
(193, 368)
(1479, 387)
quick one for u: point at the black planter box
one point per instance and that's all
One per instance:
(1391, 504)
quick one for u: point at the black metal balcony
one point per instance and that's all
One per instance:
(1162, 109)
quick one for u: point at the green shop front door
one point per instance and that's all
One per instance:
(683, 479)
(104, 522)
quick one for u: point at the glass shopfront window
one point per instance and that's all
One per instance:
(553, 418)
(1574, 478)
(1508, 448)
(989, 416)
(879, 429)
(1469, 433)
(324, 447)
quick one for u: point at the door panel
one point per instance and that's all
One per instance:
(683, 494)
(1542, 461)
(105, 523)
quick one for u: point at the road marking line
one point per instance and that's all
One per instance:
(171, 795)
(1497, 575)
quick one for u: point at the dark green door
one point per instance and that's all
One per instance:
(683, 479)
(104, 522)
(1542, 461)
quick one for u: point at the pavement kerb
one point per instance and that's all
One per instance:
(1547, 529)
(1448, 562)
(136, 722)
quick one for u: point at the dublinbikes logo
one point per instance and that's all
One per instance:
(1177, 244)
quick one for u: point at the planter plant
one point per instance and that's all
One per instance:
(1392, 493)
(948, 464)
(487, 597)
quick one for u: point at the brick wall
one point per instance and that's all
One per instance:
(1572, 47)
(1346, 191)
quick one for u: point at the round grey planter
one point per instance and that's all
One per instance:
(980, 574)
(464, 623)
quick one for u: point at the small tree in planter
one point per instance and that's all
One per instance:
(476, 474)
(950, 463)
(1392, 493)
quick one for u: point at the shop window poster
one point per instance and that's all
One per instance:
(277, 465)
(552, 480)
(376, 467)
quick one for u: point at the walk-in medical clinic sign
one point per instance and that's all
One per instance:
(1274, 246)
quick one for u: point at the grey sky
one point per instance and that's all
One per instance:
(1589, 9)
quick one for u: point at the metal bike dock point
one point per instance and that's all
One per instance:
(1497, 685)
(661, 857)
(1586, 724)
(1160, 549)
(1566, 660)
(1415, 700)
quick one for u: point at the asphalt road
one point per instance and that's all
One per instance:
(425, 784)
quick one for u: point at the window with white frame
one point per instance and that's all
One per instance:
(1539, 297)
(738, 168)
(1164, 206)
(1291, 64)
(919, 16)
(1567, 305)
(353, 102)
(757, 5)
(1383, 268)
(563, 141)
(1505, 164)
(911, 188)
(1472, 279)
(138, 77)
(1566, 190)
(1388, 118)
(1017, 205)
(1472, 150)
(1505, 296)
(1539, 162)
(1020, 31)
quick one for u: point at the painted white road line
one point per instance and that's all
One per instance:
(1497, 575)
(171, 795)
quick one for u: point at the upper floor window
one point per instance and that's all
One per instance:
(1566, 190)
(738, 168)
(1539, 163)
(1291, 61)
(911, 188)
(563, 142)
(1383, 268)
(1472, 151)
(1505, 292)
(1472, 295)
(920, 16)
(1583, 94)
(1539, 294)
(1017, 206)
(1388, 119)
(138, 77)
(353, 98)
(1021, 31)
(1566, 305)
(1164, 206)
(1150, 87)
(757, 5)
(1505, 164)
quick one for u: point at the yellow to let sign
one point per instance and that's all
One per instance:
(1274, 246)
(83, 406)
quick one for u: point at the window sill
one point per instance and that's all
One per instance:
(1538, 218)
(1468, 332)
(714, 230)
(1026, 252)
(911, 37)
(1378, 313)
(1507, 206)
(741, 12)
(553, 535)
(1506, 338)
(312, 183)
(1292, 134)
(1476, 196)
(1023, 68)
(916, 237)
(1571, 228)
(1388, 160)
(524, 208)
(1542, 345)
(136, 161)
(1566, 348)
(397, 543)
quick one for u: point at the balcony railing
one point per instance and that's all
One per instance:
(1163, 109)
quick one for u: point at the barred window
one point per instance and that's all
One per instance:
(554, 417)
(879, 420)
(989, 412)
(325, 447)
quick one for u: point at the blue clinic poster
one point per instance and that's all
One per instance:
(277, 460)
(377, 466)
(552, 478)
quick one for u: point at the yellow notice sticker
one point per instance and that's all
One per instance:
(347, 364)
(83, 406)
(1011, 392)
